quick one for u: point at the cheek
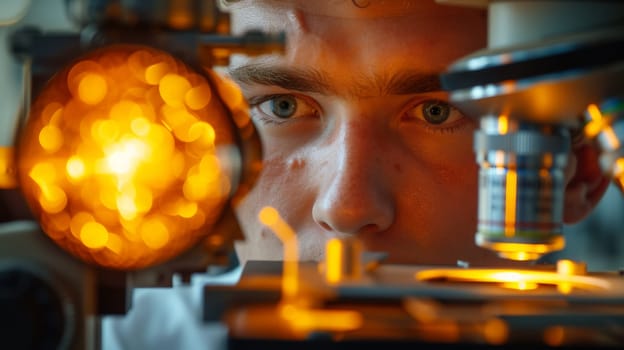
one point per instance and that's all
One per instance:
(279, 179)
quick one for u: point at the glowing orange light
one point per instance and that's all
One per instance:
(93, 235)
(303, 319)
(112, 142)
(554, 335)
(517, 279)
(503, 124)
(92, 88)
(596, 123)
(525, 251)
(618, 172)
(334, 258)
(495, 331)
(290, 281)
(75, 167)
(7, 168)
(51, 138)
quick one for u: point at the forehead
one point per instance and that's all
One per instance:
(343, 36)
(357, 8)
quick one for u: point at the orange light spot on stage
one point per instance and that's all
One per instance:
(521, 285)
(517, 279)
(51, 138)
(93, 235)
(92, 88)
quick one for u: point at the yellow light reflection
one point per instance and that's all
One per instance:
(53, 199)
(8, 177)
(554, 335)
(101, 163)
(51, 138)
(154, 233)
(524, 251)
(618, 173)
(269, 217)
(496, 331)
(516, 279)
(302, 319)
(503, 124)
(511, 185)
(596, 122)
(93, 235)
(198, 97)
(173, 89)
(92, 88)
(334, 258)
(75, 167)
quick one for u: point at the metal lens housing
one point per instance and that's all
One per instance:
(521, 186)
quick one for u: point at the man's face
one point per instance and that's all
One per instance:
(358, 138)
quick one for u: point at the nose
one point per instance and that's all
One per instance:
(354, 196)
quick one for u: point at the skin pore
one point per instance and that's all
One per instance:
(358, 138)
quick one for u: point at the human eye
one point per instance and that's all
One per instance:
(437, 114)
(281, 108)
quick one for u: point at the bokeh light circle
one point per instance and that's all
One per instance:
(126, 158)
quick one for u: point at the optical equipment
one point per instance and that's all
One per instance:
(131, 156)
(550, 67)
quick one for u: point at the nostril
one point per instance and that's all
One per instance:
(370, 228)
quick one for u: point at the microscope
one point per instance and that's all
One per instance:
(545, 78)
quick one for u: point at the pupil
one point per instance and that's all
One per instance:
(283, 107)
(436, 112)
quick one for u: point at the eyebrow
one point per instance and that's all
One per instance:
(313, 80)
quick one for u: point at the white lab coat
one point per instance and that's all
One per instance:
(168, 318)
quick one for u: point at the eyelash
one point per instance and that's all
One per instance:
(442, 128)
(255, 102)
